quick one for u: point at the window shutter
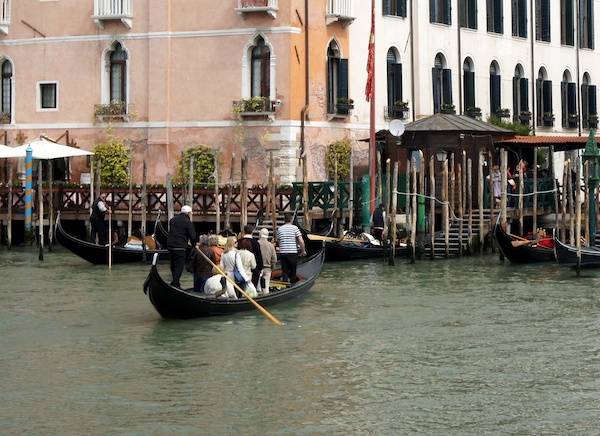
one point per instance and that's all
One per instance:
(498, 17)
(522, 11)
(402, 8)
(469, 89)
(433, 11)
(472, 10)
(545, 20)
(585, 101)
(515, 16)
(572, 97)
(539, 102)
(524, 94)
(489, 15)
(447, 85)
(569, 23)
(447, 12)
(593, 104)
(437, 92)
(547, 95)
(387, 7)
(462, 13)
(397, 82)
(515, 91)
(342, 87)
(563, 103)
(494, 92)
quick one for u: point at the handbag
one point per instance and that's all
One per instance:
(190, 264)
(239, 278)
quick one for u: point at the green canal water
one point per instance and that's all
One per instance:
(467, 346)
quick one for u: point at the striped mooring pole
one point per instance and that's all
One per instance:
(28, 189)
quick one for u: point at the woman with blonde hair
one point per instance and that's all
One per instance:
(231, 258)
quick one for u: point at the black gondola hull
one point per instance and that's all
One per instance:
(523, 253)
(566, 255)
(176, 303)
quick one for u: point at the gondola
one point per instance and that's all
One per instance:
(176, 303)
(519, 250)
(98, 254)
(359, 249)
(566, 255)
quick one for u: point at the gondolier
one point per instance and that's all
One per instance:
(378, 223)
(97, 220)
(181, 236)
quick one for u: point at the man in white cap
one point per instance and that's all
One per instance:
(181, 236)
(269, 258)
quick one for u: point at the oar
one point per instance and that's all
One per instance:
(258, 306)
(519, 243)
(109, 238)
(331, 238)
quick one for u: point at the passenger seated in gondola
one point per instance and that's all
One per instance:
(219, 286)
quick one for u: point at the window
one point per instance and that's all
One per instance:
(337, 77)
(469, 84)
(7, 72)
(495, 88)
(520, 92)
(494, 16)
(468, 13)
(47, 95)
(439, 11)
(586, 23)
(519, 18)
(543, 93)
(442, 84)
(568, 97)
(118, 74)
(394, 7)
(567, 22)
(542, 20)
(394, 78)
(261, 62)
(588, 101)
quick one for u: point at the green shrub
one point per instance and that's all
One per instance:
(342, 150)
(204, 165)
(114, 158)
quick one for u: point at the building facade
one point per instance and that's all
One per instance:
(254, 76)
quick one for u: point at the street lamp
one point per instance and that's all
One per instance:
(441, 155)
(592, 154)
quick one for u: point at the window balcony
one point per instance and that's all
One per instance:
(248, 6)
(113, 111)
(339, 10)
(4, 16)
(105, 10)
(255, 107)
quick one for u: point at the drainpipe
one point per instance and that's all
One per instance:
(577, 36)
(412, 58)
(303, 151)
(460, 69)
(533, 75)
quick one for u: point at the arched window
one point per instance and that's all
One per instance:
(543, 88)
(520, 94)
(589, 105)
(442, 85)
(495, 89)
(568, 101)
(7, 73)
(118, 75)
(394, 80)
(337, 78)
(260, 72)
(469, 85)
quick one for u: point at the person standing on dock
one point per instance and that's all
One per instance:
(287, 237)
(97, 220)
(181, 235)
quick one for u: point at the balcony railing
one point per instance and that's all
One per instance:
(339, 10)
(255, 107)
(113, 10)
(112, 111)
(5, 16)
(247, 6)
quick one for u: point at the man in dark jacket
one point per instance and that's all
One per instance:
(256, 272)
(97, 219)
(181, 235)
(378, 223)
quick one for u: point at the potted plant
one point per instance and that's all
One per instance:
(502, 112)
(4, 118)
(474, 112)
(525, 117)
(548, 118)
(573, 119)
(592, 120)
(344, 105)
(448, 108)
(398, 109)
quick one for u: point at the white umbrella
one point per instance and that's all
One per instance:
(45, 149)
(9, 152)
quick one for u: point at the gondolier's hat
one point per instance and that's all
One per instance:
(186, 209)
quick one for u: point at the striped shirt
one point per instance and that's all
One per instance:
(287, 237)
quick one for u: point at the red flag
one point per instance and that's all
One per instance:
(371, 58)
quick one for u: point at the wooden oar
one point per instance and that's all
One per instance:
(519, 243)
(258, 306)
